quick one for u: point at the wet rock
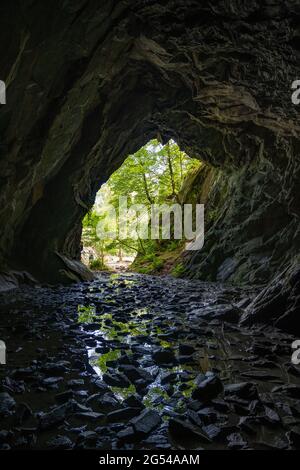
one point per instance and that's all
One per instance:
(5, 446)
(244, 390)
(60, 443)
(294, 436)
(164, 356)
(134, 401)
(100, 386)
(56, 368)
(194, 404)
(271, 416)
(236, 441)
(229, 314)
(52, 382)
(186, 349)
(23, 373)
(87, 416)
(259, 375)
(7, 404)
(56, 416)
(128, 434)
(146, 421)
(105, 402)
(194, 417)
(75, 383)
(185, 359)
(207, 388)
(63, 397)
(291, 390)
(116, 380)
(248, 425)
(212, 431)
(87, 440)
(157, 442)
(23, 412)
(5, 436)
(220, 405)
(124, 414)
(135, 373)
(208, 415)
(180, 429)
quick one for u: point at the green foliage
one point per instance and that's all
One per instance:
(86, 314)
(178, 270)
(97, 265)
(153, 175)
(112, 355)
(149, 263)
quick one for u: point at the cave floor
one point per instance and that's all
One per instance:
(134, 361)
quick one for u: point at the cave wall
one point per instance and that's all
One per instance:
(90, 81)
(251, 220)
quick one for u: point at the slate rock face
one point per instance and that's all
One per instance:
(87, 90)
(244, 390)
(7, 404)
(180, 429)
(145, 422)
(207, 388)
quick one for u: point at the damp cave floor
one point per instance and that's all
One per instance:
(132, 361)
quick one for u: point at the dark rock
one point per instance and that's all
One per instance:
(207, 388)
(208, 415)
(116, 380)
(228, 313)
(236, 441)
(54, 417)
(23, 412)
(89, 416)
(106, 402)
(128, 434)
(291, 390)
(75, 383)
(56, 368)
(259, 375)
(134, 401)
(52, 381)
(212, 431)
(180, 429)
(7, 404)
(164, 356)
(244, 390)
(186, 349)
(146, 422)
(136, 373)
(294, 436)
(63, 397)
(60, 443)
(248, 425)
(271, 416)
(122, 415)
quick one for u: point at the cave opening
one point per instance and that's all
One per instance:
(203, 355)
(154, 177)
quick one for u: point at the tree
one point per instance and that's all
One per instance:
(153, 175)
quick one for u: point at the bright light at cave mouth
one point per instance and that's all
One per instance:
(154, 175)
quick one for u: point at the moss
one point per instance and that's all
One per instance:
(178, 270)
(98, 265)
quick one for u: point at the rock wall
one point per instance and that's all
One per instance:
(90, 81)
(252, 221)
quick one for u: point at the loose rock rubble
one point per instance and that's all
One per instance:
(129, 361)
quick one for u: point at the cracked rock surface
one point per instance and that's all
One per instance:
(129, 361)
(91, 82)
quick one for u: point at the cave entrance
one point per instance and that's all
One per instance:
(154, 176)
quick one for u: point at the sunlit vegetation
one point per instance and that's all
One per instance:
(153, 175)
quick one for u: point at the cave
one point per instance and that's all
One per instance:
(88, 83)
